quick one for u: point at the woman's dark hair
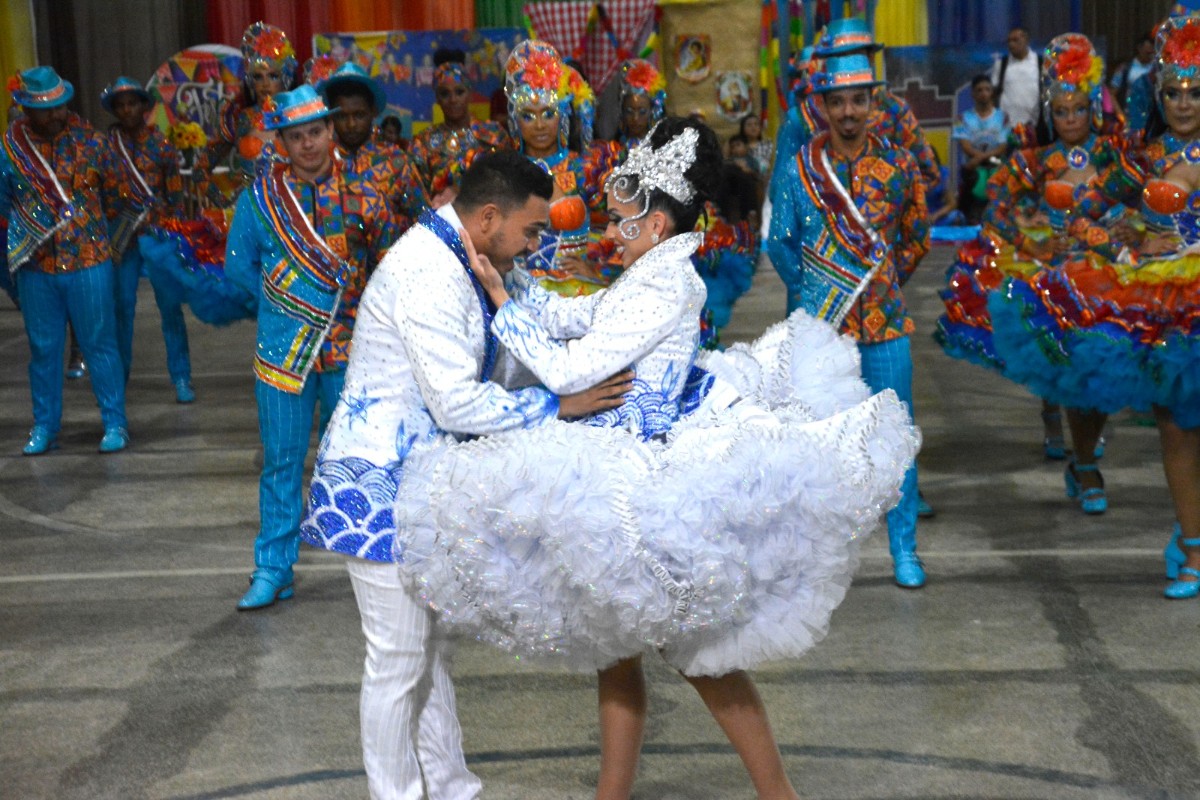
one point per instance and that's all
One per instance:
(742, 126)
(503, 177)
(738, 195)
(704, 175)
(739, 138)
(981, 78)
(392, 121)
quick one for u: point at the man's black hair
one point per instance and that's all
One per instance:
(740, 137)
(444, 55)
(505, 178)
(339, 89)
(978, 79)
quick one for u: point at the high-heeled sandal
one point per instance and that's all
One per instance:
(1181, 589)
(1092, 501)
(1055, 447)
(1173, 554)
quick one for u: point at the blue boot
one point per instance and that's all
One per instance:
(115, 439)
(40, 440)
(907, 569)
(183, 391)
(266, 586)
(1173, 554)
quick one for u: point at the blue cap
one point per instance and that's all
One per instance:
(294, 108)
(123, 84)
(41, 87)
(844, 72)
(846, 35)
(353, 73)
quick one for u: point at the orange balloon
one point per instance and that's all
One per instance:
(249, 147)
(1060, 195)
(568, 213)
(1165, 197)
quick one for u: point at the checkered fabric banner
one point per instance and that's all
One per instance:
(564, 25)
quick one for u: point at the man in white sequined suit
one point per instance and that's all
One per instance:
(421, 365)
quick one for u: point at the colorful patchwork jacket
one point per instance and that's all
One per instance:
(846, 233)
(394, 177)
(54, 195)
(440, 154)
(306, 250)
(147, 181)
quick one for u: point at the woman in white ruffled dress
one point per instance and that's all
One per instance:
(715, 517)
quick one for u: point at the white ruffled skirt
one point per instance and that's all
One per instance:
(728, 544)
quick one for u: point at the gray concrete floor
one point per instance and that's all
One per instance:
(1040, 662)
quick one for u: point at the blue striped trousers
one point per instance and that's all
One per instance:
(128, 275)
(285, 423)
(83, 297)
(888, 365)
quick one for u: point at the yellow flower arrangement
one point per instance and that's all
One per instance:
(188, 135)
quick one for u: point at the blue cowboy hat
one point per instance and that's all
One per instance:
(353, 73)
(846, 35)
(41, 87)
(294, 108)
(123, 84)
(844, 72)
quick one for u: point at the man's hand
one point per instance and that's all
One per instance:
(607, 394)
(491, 280)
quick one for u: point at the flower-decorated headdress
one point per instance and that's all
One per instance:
(535, 75)
(450, 73)
(263, 43)
(639, 76)
(1071, 65)
(1177, 50)
(318, 69)
(646, 169)
(577, 94)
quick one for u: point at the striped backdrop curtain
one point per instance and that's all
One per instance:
(300, 19)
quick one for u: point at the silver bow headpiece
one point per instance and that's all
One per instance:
(661, 169)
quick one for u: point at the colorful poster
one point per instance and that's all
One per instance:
(193, 85)
(693, 56)
(402, 61)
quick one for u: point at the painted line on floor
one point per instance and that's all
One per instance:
(198, 572)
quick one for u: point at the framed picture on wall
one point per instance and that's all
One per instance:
(693, 56)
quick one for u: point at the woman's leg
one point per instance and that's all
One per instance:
(1181, 463)
(1052, 431)
(1086, 428)
(735, 705)
(622, 723)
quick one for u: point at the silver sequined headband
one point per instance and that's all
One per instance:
(661, 169)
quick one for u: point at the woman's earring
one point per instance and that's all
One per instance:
(654, 238)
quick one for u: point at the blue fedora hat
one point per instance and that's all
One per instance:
(353, 73)
(846, 35)
(123, 84)
(844, 72)
(294, 108)
(41, 87)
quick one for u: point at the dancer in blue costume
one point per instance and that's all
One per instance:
(55, 186)
(1047, 205)
(642, 529)
(848, 229)
(305, 237)
(150, 189)
(1112, 334)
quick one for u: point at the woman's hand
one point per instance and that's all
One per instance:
(1157, 245)
(578, 266)
(489, 277)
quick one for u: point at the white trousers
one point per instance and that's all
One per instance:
(410, 730)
